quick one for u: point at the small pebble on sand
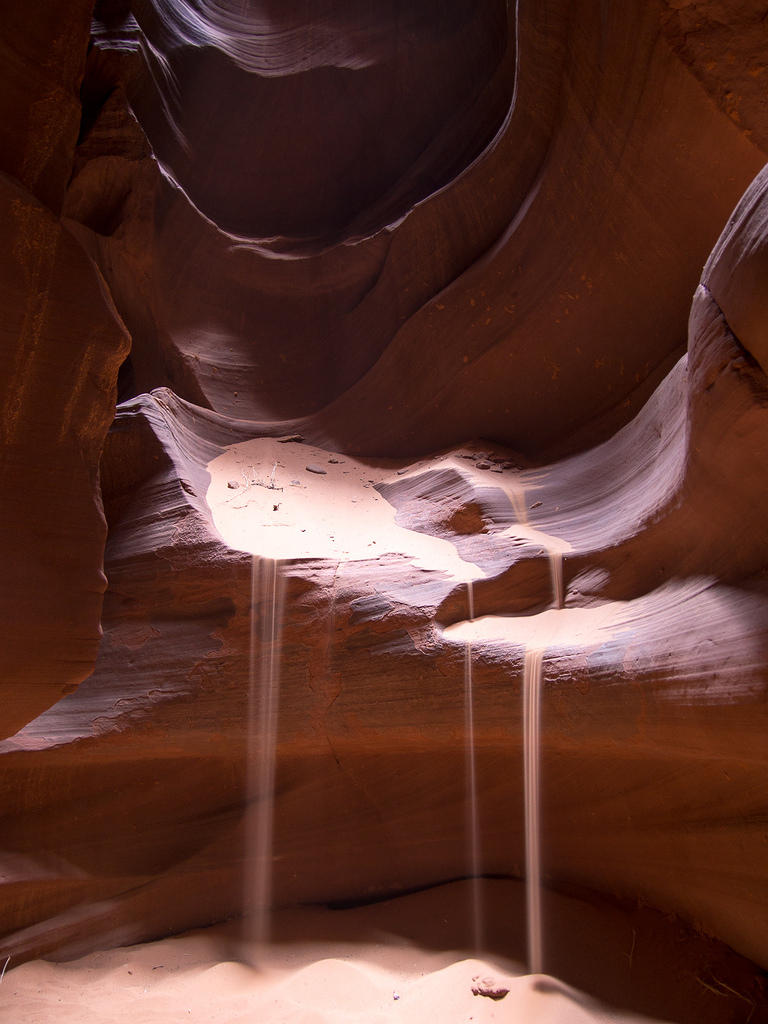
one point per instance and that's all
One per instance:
(489, 986)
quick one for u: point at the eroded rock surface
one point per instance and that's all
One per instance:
(654, 678)
(534, 290)
(61, 343)
(579, 216)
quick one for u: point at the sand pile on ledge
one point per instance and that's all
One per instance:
(285, 499)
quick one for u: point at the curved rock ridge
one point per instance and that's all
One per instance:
(274, 39)
(295, 119)
(583, 225)
(737, 267)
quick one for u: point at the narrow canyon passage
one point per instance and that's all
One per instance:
(384, 426)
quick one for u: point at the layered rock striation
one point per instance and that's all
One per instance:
(535, 293)
(510, 254)
(61, 344)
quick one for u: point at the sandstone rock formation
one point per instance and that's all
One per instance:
(582, 224)
(61, 343)
(517, 263)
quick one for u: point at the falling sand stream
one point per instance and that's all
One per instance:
(473, 823)
(306, 978)
(544, 633)
(267, 593)
(532, 683)
(536, 640)
(281, 498)
(310, 517)
(531, 764)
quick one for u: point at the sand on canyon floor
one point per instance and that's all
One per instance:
(402, 961)
(182, 979)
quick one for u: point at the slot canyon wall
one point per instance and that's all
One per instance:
(501, 270)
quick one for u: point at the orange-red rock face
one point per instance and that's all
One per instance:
(502, 239)
(61, 343)
(536, 294)
(43, 65)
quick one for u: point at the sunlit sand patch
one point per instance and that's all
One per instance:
(285, 499)
(576, 627)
